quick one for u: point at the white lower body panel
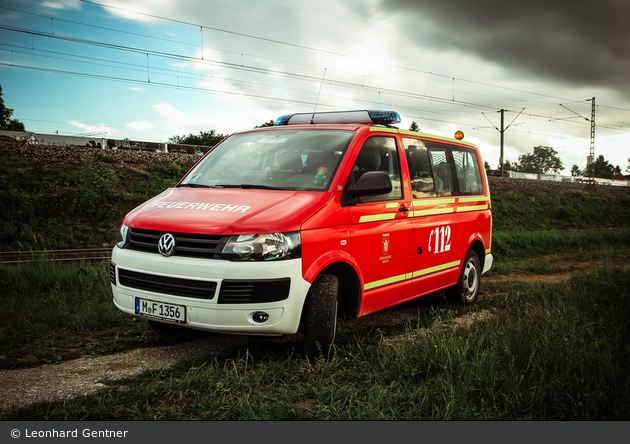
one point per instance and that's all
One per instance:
(203, 314)
(487, 263)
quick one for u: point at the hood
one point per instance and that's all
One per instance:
(227, 211)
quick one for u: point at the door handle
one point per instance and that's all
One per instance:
(403, 209)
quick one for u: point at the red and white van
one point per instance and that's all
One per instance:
(287, 228)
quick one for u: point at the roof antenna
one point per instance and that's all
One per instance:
(318, 94)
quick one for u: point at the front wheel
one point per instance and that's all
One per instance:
(320, 310)
(467, 288)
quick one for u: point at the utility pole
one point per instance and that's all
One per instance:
(592, 153)
(502, 130)
(590, 160)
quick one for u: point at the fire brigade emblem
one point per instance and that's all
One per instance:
(385, 245)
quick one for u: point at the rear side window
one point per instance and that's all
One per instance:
(439, 169)
(468, 176)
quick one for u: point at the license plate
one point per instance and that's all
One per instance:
(161, 310)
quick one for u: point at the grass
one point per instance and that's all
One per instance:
(525, 351)
(515, 245)
(54, 311)
(73, 205)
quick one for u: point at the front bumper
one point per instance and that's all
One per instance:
(209, 314)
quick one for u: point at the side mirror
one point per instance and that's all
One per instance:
(371, 183)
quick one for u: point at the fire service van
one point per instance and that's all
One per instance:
(287, 228)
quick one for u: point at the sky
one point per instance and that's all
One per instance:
(151, 69)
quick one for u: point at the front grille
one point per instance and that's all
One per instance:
(186, 244)
(248, 291)
(167, 285)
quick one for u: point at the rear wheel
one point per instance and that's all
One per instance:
(467, 288)
(320, 312)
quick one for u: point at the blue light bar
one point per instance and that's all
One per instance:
(364, 116)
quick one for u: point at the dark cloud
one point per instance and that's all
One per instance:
(586, 43)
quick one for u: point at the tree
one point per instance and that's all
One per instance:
(6, 122)
(543, 160)
(508, 166)
(266, 124)
(600, 168)
(204, 138)
(576, 171)
(414, 126)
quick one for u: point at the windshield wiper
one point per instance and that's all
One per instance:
(195, 185)
(245, 186)
(249, 186)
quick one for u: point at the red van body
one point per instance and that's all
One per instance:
(287, 228)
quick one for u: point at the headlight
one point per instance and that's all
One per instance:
(263, 247)
(122, 236)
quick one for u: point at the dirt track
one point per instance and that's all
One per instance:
(84, 376)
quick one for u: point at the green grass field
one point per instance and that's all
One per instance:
(548, 338)
(526, 350)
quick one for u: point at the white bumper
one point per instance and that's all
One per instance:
(203, 314)
(487, 264)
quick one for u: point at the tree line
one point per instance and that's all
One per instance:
(6, 122)
(542, 160)
(545, 160)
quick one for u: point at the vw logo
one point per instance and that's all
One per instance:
(166, 245)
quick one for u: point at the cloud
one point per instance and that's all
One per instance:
(61, 4)
(140, 125)
(579, 42)
(141, 10)
(87, 129)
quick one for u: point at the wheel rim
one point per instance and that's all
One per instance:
(471, 280)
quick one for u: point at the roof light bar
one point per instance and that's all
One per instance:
(359, 116)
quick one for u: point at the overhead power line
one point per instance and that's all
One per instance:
(453, 105)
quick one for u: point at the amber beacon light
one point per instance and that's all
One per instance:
(459, 135)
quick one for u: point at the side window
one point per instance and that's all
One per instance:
(420, 169)
(379, 153)
(468, 177)
(442, 176)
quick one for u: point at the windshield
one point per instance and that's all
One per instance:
(283, 159)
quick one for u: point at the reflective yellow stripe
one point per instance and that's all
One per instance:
(376, 217)
(422, 135)
(473, 199)
(402, 277)
(382, 282)
(436, 268)
(431, 211)
(383, 129)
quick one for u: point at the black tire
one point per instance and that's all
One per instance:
(467, 288)
(320, 311)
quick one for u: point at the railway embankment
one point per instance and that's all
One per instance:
(59, 197)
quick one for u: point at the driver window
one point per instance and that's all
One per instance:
(379, 153)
